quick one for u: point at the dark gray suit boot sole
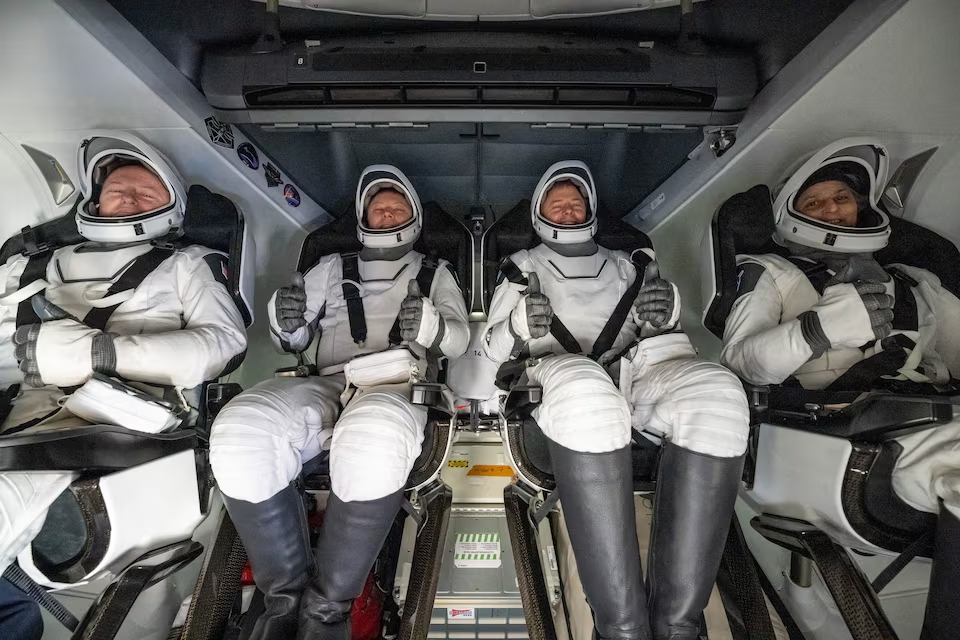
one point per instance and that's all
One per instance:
(596, 492)
(350, 541)
(692, 511)
(274, 533)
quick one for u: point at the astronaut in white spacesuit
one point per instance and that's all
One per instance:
(820, 315)
(553, 302)
(132, 302)
(352, 304)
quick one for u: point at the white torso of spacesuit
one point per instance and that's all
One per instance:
(181, 296)
(583, 292)
(383, 286)
(783, 292)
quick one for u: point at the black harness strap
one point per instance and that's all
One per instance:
(564, 337)
(608, 335)
(905, 315)
(862, 375)
(132, 278)
(428, 270)
(351, 294)
(36, 269)
(817, 273)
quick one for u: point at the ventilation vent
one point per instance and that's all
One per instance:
(652, 97)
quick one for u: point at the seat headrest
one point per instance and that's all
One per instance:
(744, 225)
(442, 236)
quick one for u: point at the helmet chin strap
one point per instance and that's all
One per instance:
(368, 254)
(587, 248)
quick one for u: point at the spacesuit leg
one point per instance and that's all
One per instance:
(701, 411)
(24, 500)
(257, 444)
(927, 477)
(587, 422)
(375, 444)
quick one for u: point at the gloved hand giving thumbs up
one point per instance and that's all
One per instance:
(419, 320)
(290, 307)
(657, 301)
(532, 316)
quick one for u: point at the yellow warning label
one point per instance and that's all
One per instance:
(458, 463)
(490, 470)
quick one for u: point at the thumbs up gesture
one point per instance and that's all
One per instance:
(419, 320)
(657, 301)
(291, 304)
(532, 316)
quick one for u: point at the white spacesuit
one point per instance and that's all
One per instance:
(149, 312)
(572, 288)
(355, 304)
(819, 327)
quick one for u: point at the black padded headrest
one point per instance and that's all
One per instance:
(513, 231)
(744, 225)
(59, 232)
(442, 236)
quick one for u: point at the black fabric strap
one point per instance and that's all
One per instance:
(351, 294)
(608, 335)
(512, 272)
(25, 583)
(905, 315)
(901, 561)
(861, 376)
(562, 335)
(817, 273)
(36, 269)
(428, 270)
(559, 331)
(132, 278)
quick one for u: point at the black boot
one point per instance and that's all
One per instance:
(942, 617)
(350, 541)
(692, 511)
(596, 491)
(274, 533)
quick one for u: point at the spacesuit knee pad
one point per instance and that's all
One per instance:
(375, 443)
(704, 408)
(260, 439)
(582, 409)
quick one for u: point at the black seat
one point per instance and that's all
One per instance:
(744, 225)
(442, 236)
(507, 235)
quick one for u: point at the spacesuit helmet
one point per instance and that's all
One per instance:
(861, 164)
(579, 174)
(104, 153)
(374, 179)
